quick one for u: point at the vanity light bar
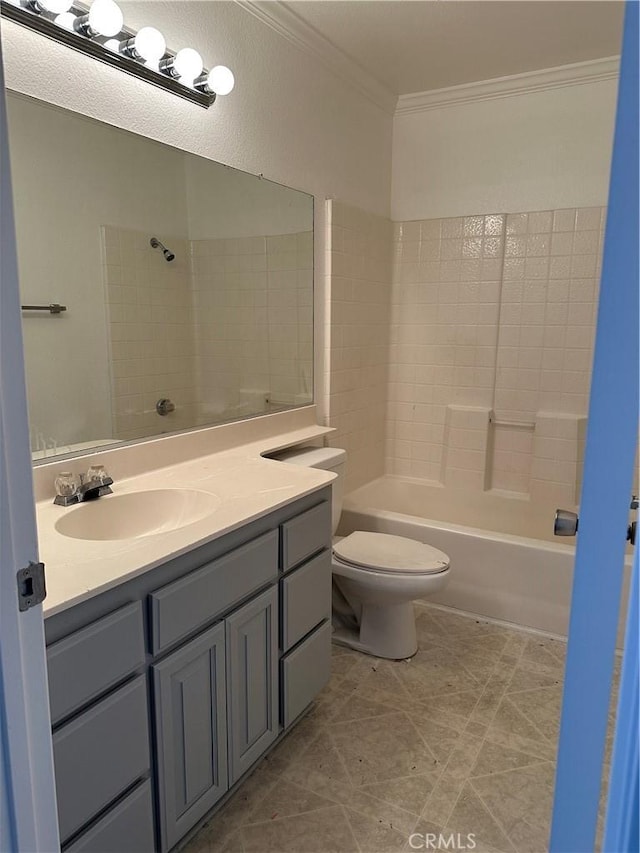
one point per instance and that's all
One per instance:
(99, 31)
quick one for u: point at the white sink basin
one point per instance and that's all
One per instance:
(137, 514)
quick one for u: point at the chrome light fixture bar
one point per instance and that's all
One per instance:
(99, 32)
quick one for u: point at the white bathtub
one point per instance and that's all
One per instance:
(524, 579)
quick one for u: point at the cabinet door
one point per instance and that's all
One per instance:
(252, 668)
(190, 712)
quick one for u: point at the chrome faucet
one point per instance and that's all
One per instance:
(92, 485)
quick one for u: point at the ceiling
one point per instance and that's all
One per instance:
(417, 45)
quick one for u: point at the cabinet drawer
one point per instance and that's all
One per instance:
(127, 828)
(305, 671)
(305, 534)
(90, 661)
(100, 754)
(180, 608)
(306, 599)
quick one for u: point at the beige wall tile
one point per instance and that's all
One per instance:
(496, 312)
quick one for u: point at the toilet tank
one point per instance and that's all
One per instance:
(326, 458)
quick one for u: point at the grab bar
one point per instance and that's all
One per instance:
(52, 308)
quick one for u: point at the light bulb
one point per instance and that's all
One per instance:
(105, 18)
(220, 80)
(56, 7)
(112, 44)
(66, 20)
(149, 44)
(188, 64)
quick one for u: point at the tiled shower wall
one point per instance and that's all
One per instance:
(224, 330)
(358, 293)
(444, 322)
(492, 329)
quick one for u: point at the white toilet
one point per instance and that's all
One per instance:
(375, 576)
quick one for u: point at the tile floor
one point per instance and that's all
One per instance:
(459, 739)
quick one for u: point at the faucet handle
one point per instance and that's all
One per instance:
(66, 484)
(97, 483)
(67, 489)
(98, 473)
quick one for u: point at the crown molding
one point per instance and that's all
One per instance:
(283, 20)
(575, 74)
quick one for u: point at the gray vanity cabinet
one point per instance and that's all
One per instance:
(252, 678)
(191, 732)
(167, 689)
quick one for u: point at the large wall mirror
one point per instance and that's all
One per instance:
(188, 285)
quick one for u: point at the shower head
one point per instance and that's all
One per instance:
(156, 244)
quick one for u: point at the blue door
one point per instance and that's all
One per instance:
(612, 436)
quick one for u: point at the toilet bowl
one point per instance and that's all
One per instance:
(376, 576)
(380, 576)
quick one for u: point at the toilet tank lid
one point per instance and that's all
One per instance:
(312, 457)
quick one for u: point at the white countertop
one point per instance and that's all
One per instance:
(246, 485)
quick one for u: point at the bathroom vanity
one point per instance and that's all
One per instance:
(166, 688)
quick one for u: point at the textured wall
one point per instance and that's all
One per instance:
(537, 151)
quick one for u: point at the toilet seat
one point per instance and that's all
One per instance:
(382, 552)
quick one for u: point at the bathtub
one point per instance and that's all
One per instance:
(505, 564)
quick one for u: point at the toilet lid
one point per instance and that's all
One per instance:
(383, 552)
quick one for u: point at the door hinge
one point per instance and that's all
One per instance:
(631, 533)
(31, 586)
